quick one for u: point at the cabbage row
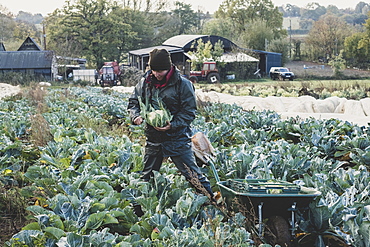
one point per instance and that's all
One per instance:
(84, 186)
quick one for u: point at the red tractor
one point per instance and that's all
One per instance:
(209, 73)
(109, 74)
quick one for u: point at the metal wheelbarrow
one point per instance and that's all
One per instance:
(272, 199)
(267, 197)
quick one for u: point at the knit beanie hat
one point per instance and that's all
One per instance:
(159, 59)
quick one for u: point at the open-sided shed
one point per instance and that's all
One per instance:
(177, 46)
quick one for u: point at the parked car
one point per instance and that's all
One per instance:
(281, 73)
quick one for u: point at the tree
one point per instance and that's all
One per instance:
(148, 20)
(185, 16)
(28, 17)
(245, 15)
(258, 36)
(313, 11)
(180, 21)
(326, 38)
(338, 64)
(306, 24)
(167, 28)
(5, 11)
(95, 26)
(13, 33)
(220, 27)
(362, 8)
(356, 50)
(206, 52)
(139, 21)
(357, 47)
(290, 10)
(148, 5)
(332, 9)
(356, 20)
(24, 29)
(245, 12)
(7, 25)
(281, 46)
(296, 49)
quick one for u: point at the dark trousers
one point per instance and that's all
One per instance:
(185, 162)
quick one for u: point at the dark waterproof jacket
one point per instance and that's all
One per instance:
(179, 97)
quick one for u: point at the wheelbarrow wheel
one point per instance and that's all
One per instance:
(278, 233)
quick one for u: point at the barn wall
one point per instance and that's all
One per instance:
(241, 70)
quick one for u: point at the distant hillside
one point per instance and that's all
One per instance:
(29, 18)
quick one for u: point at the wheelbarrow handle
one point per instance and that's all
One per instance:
(212, 165)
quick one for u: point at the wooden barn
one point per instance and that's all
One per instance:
(29, 59)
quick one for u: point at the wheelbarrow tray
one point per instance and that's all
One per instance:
(272, 204)
(276, 197)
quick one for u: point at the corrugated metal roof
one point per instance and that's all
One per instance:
(182, 40)
(26, 59)
(232, 57)
(145, 51)
(76, 59)
(237, 57)
(183, 43)
(186, 41)
(267, 52)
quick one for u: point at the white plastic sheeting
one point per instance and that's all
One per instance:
(356, 112)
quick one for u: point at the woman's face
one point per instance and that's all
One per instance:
(159, 74)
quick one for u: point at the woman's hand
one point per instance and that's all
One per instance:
(165, 128)
(138, 120)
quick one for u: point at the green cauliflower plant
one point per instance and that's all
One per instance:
(157, 116)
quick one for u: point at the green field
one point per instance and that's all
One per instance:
(70, 162)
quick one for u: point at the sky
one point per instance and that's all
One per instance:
(45, 7)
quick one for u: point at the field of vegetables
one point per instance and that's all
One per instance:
(70, 166)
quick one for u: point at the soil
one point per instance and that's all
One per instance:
(12, 213)
(9, 224)
(280, 233)
(8, 227)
